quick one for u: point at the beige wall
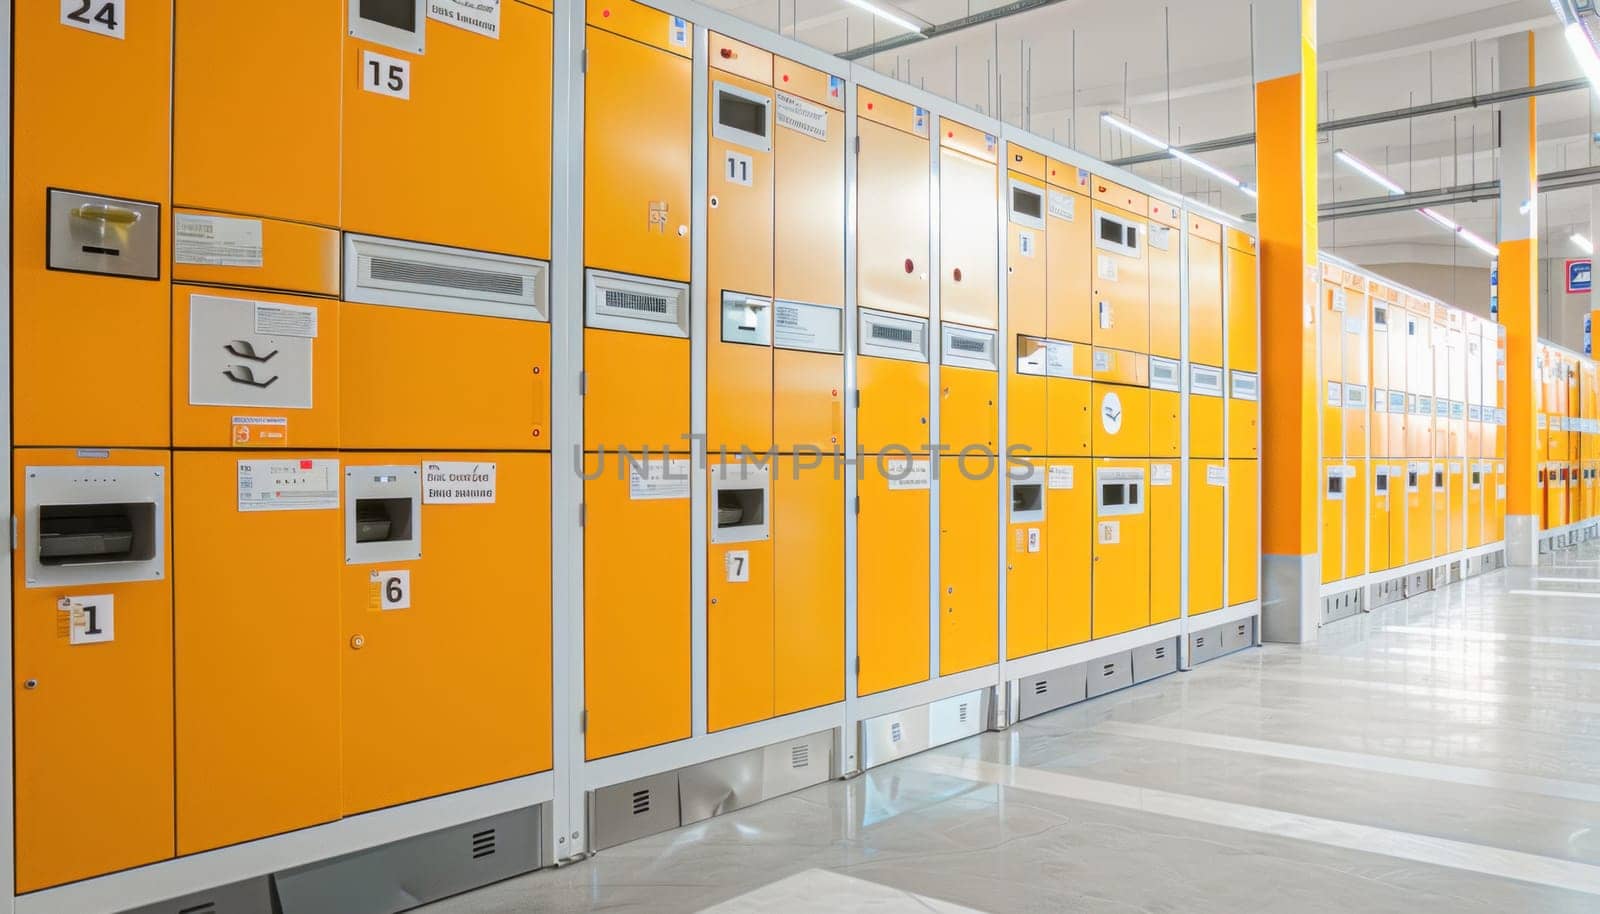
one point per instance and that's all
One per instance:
(1560, 315)
(1465, 287)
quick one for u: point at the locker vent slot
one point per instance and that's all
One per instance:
(967, 344)
(458, 279)
(1041, 687)
(894, 732)
(383, 271)
(892, 334)
(205, 907)
(96, 533)
(482, 844)
(641, 801)
(1199, 640)
(616, 302)
(961, 712)
(1108, 669)
(1161, 653)
(800, 756)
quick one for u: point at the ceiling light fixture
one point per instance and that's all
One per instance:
(887, 16)
(1583, 51)
(1112, 120)
(1367, 171)
(1443, 221)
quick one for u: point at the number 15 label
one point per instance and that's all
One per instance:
(385, 75)
(90, 620)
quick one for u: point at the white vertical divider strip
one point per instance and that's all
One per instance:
(1002, 378)
(849, 750)
(699, 324)
(1183, 432)
(935, 361)
(566, 830)
(7, 736)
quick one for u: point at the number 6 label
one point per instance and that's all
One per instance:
(394, 589)
(102, 17)
(385, 75)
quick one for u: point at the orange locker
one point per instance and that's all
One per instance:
(808, 522)
(92, 647)
(1242, 304)
(1026, 314)
(1070, 532)
(1069, 254)
(1121, 286)
(1379, 343)
(1166, 541)
(1205, 291)
(1244, 526)
(1166, 305)
(1027, 551)
(1208, 495)
(892, 205)
(969, 573)
(892, 573)
(740, 623)
(968, 261)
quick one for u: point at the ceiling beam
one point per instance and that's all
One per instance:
(1448, 196)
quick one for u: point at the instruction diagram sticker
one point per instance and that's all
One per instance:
(654, 480)
(288, 485)
(481, 17)
(90, 620)
(1061, 477)
(905, 473)
(801, 116)
(218, 241)
(458, 483)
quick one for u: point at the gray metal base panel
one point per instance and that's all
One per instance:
(413, 872)
(1110, 673)
(253, 896)
(1154, 660)
(1205, 644)
(745, 778)
(1238, 635)
(1341, 605)
(633, 809)
(901, 733)
(1051, 690)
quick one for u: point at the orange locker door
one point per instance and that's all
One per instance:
(1378, 520)
(969, 573)
(1166, 541)
(1330, 331)
(1069, 402)
(1399, 514)
(1121, 547)
(1166, 408)
(1355, 518)
(892, 207)
(1121, 314)
(636, 626)
(1333, 520)
(808, 522)
(1166, 305)
(247, 144)
(969, 389)
(968, 226)
(1244, 524)
(637, 141)
(892, 383)
(892, 574)
(1070, 528)
(1027, 349)
(406, 115)
(93, 658)
(87, 262)
(739, 594)
(1122, 427)
(1379, 341)
(1027, 551)
(1205, 291)
(468, 657)
(1208, 494)
(1242, 303)
(1244, 415)
(1069, 248)
(269, 651)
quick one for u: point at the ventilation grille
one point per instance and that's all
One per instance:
(641, 801)
(482, 844)
(894, 732)
(1041, 687)
(961, 712)
(1161, 652)
(629, 303)
(1199, 640)
(633, 301)
(387, 272)
(966, 344)
(460, 279)
(1109, 669)
(800, 756)
(204, 907)
(893, 334)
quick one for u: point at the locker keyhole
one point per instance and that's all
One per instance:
(909, 265)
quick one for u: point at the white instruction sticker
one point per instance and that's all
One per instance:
(279, 319)
(90, 620)
(802, 116)
(1161, 237)
(458, 483)
(1109, 532)
(678, 31)
(1335, 393)
(1025, 243)
(1033, 539)
(288, 485)
(1161, 474)
(659, 478)
(1216, 475)
(217, 241)
(905, 473)
(1500, 491)
(1063, 206)
(478, 16)
(394, 589)
(1061, 477)
(736, 565)
(1103, 360)
(1106, 268)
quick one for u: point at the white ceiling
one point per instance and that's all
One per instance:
(1055, 69)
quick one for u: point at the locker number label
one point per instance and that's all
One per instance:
(394, 589)
(737, 168)
(90, 620)
(385, 75)
(1025, 243)
(1033, 539)
(737, 564)
(102, 17)
(1110, 532)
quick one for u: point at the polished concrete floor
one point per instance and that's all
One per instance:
(1440, 754)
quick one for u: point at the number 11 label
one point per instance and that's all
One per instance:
(90, 620)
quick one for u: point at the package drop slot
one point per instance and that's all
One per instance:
(383, 513)
(383, 520)
(97, 533)
(1027, 498)
(739, 496)
(1335, 484)
(740, 508)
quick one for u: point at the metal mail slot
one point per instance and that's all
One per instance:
(1204, 381)
(739, 491)
(968, 347)
(893, 336)
(93, 525)
(746, 319)
(1032, 356)
(1164, 374)
(109, 235)
(383, 514)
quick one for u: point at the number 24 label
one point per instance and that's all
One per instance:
(385, 75)
(102, 17)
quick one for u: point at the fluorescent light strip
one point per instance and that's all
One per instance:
(1120, 124)
(887, 16)
(1583, 51)
(1584, 244)
(1372, 174)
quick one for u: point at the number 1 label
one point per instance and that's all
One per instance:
(385, 75)
(90, 620)
(102, 17)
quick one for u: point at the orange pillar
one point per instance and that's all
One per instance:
(1286, 167)
(1519, 297)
